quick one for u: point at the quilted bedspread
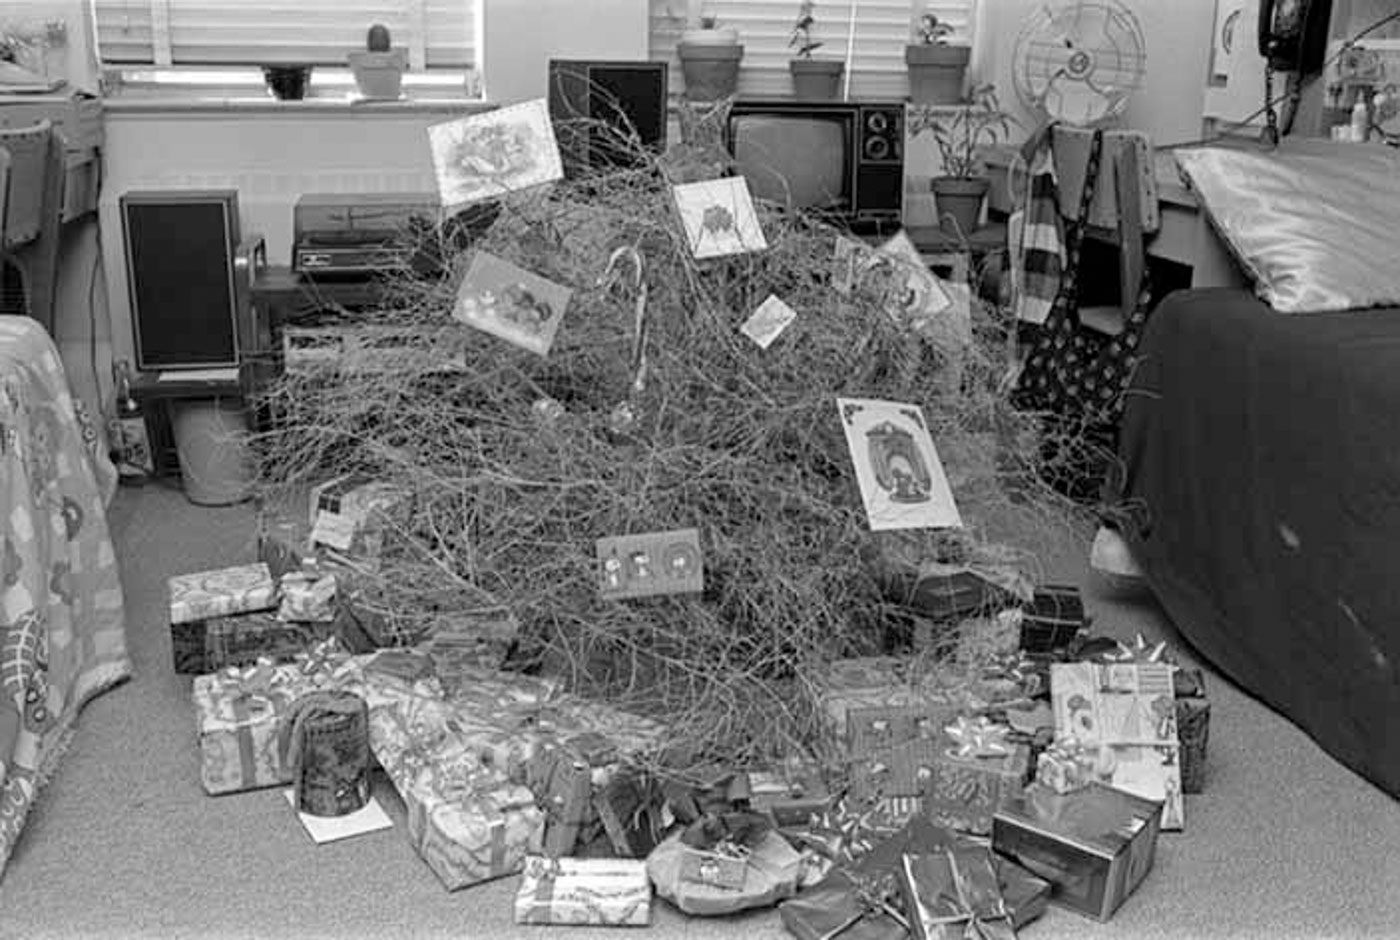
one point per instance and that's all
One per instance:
(62, 626)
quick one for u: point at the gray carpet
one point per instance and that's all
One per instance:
(1284, 843)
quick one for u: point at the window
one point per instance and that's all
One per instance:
(881, 30)
(208, 34)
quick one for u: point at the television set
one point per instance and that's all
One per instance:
(603, 109)
(842, 161)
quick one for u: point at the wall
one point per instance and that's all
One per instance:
(520, 39)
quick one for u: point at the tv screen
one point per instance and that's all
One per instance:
(795, 160)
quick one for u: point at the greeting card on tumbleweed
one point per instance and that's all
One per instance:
(718, 217)
(507, 301)
(485, 156)
(901, 479)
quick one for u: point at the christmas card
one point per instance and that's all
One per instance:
(768, 321)
(486, 155)
(901, 479)
(719, 217)
(509, 302)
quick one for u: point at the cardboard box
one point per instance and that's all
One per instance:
(206, 594)
(610, 892)
(1095, 845)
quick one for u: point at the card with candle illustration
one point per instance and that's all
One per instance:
(487, 155)
(901, 479)
(507, 301)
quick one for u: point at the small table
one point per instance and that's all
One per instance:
(280, 296)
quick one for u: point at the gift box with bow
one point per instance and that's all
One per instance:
(238, 713)
(771, 871)
(472, 830)
(716, 848)
(1066, 765)
(607, 892)
(974, 772)
(954, 894)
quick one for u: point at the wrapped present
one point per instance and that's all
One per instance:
(791, 793)
(607, 892)
(715, 849)
(480, 639)
(562, 781)
(842, 907)
(1192, 726)
(954, 894)
(207, 594)
(324, 744)
(876, 729)
(770, 875)
(468, 833)
(307, 595)
(864, 687)
(1066, 765)
(1053, 619)
(1128, 712)
(238, 714)
(1025, 894)
(203, 646)
(974, 772)
(1095, 845)
(351, 514)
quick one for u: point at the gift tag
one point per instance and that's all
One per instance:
(650, 563)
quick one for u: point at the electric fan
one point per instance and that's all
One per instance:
(1078, 62)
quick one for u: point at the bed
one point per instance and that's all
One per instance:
(1259, 485)
(63, 635)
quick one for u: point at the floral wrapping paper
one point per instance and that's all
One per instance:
(238, 716)
(609, 892)
(467, 833)
(204, 646)
(206, 594)
(964, 792)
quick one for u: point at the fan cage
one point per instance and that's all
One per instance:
(1055, 56)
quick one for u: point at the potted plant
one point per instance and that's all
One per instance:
(960, 133)
(812, 78)
(378, 68)
(936, 67)
(710, 56)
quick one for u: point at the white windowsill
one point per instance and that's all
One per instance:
(117, 107)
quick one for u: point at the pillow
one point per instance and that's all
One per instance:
(1313, 222)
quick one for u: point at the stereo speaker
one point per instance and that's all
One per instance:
(181, 250)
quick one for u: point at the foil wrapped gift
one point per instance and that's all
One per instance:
(790, 793)
(954, 894)
(474, 828)
(1192, 726)
(203, 646)
(770, 875)
(841, 906)
(1094, 845)
(609, 892)
(631, 808)
(562, 781)
(238, 715)
(206, 594)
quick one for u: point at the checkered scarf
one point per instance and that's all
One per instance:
(1042, 255)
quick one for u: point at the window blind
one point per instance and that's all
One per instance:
(882, 28)
(437, 33)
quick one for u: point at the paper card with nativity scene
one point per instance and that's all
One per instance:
(1128, 711)
(718, 217)
(484, 156)
(507, 301)
(901, 479)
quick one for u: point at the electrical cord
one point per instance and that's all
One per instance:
(1294, 91)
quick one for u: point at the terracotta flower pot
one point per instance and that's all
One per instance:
(379, 75)
(936, 72)
(817, 79)
(711, 69)
(959, 203)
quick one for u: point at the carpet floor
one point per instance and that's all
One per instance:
(1284, 843)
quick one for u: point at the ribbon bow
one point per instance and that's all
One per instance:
(1070, 749)
(1140, 652)
(733, 834)
(256, 679)
(320, 662)
(977, 737)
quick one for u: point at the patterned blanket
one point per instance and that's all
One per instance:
(62, 626)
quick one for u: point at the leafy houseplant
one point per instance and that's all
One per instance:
(960, 134)
(936, 67)
(710, 56)
(379, 68)
(812, 78)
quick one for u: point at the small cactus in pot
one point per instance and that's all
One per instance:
(379, 68)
